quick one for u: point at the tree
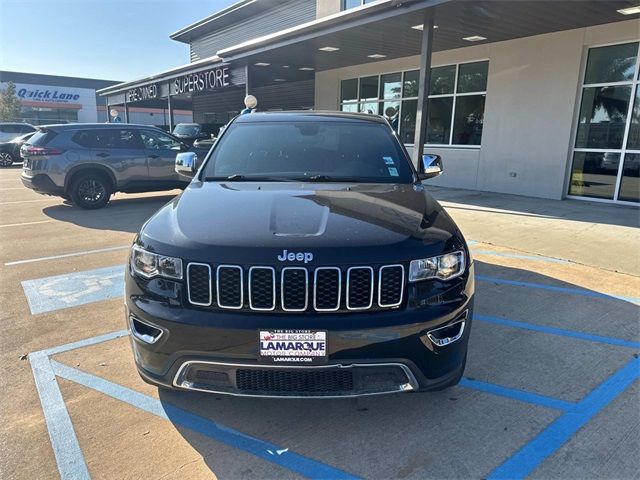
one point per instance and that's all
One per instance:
(9, 104)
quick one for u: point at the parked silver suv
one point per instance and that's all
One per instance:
(86, 163)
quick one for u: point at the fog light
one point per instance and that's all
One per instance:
(449, 333)
(143, 331)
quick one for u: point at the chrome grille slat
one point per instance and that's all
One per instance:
(196, 285)
(331, 290)
(388, 290)
(357, 289)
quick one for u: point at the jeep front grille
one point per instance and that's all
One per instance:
(295, 289)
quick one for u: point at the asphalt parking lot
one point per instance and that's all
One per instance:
(551, 388)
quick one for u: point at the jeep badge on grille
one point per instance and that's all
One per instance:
(287, 256)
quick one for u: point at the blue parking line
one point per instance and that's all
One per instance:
(73, 289)
(529, 457)
(552, 288)
(537, 258)
(289, 460)
(520, 395)
(66, 449)
(556, 331)
(85, 342)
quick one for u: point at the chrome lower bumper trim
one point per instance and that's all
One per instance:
(179, 380)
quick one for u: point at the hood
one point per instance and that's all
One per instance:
(248, 222)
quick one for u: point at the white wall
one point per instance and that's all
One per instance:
(530, 110)
(56, 96)
(327, 7)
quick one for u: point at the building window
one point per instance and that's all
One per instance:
(347, 4)
(606, 154)
(44, 115)
(456, 102)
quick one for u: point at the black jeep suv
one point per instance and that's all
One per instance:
(305, 259)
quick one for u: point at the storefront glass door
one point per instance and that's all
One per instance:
(606, 157)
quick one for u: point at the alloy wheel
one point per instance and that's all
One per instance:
(6, 160)
(91, 190)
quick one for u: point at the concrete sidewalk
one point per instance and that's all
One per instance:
(600, 235)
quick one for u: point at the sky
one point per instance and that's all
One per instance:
(105, 39)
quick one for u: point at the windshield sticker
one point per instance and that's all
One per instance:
(393, 171)
(388, 160)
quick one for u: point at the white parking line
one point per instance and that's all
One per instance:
(25, 223)
(66, 255)
(27, 201)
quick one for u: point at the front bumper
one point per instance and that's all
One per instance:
(176, 346)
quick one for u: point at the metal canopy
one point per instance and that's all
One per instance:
(387, 30)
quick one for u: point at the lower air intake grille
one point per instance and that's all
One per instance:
(294, 381)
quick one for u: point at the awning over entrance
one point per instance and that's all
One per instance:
(392, 28)
(385, 29)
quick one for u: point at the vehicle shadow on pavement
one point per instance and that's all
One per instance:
(120, 214)
(461, 432)
(516, 205)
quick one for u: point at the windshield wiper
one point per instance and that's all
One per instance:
(237, 177)
(328, 178)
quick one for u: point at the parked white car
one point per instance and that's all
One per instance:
(11, 130)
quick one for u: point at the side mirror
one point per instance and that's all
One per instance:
(430, 166)
(186, 164)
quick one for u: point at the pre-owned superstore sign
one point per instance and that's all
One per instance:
(147, 92)
(201, 81)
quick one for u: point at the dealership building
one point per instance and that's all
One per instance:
(536, 98)
(48, 99)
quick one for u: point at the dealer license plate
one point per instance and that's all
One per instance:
(292, 347)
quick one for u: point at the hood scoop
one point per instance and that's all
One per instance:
(297, 217)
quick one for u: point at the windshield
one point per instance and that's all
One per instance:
(189, 129)
(309, 151)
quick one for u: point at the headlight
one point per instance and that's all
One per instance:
(150, 265)
(443, 267)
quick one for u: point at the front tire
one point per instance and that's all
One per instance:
(90, 191)
(6, 159)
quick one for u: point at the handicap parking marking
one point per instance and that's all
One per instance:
(506, 322)
(517, 394)
(69, 457)
(535, 258)
(553, 288)
(288, 459)
(536, 451)
(73, 289)
(71, 463)
(64, 442)
(63, 255)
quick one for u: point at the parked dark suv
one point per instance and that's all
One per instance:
(86, 163)
(305, 259)
(191, 132)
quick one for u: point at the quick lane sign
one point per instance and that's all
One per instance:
(201, 81)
